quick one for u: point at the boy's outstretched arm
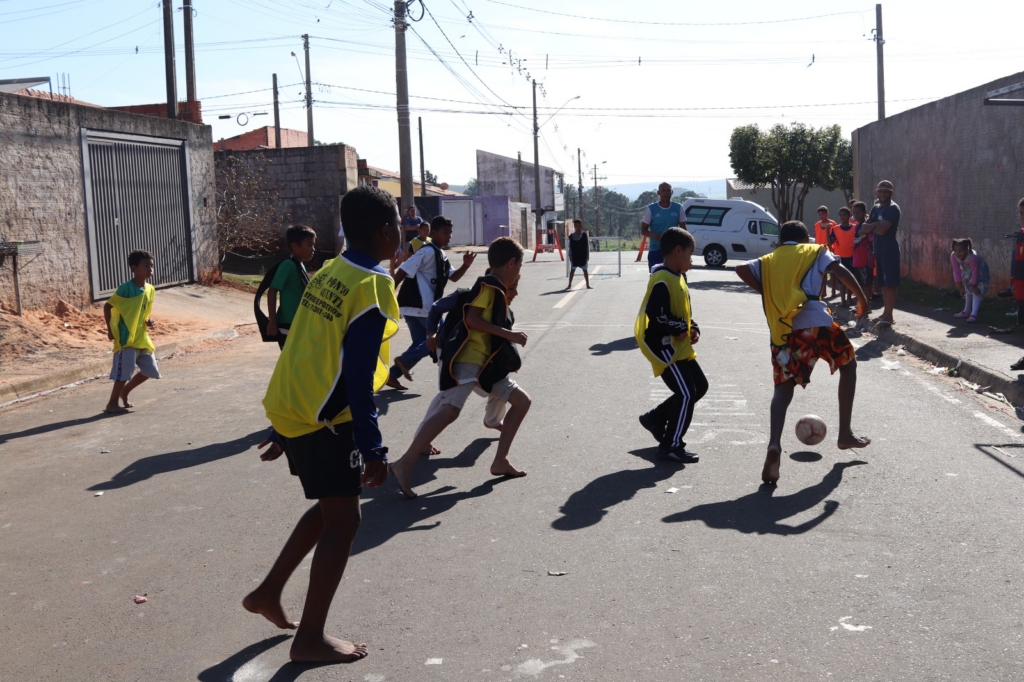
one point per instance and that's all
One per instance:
(475, 320)
(847, 278)
(744, 272)
(467, 261)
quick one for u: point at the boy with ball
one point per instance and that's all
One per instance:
(791, 281)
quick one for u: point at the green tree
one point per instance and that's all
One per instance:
(472, 188)
(684, 195)
(646, 199)
(788, 160)
(841, 177)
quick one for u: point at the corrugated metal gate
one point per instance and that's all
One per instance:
(137, 196)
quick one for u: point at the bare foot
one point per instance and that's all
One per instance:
(589, 287)
(124, 400)
(851, 441)
(403, 478)
(328, 650)
(392, 382)
(271, 609)
(506, 469)
(770, 473)
(115, 409)
(403, 368)
(496, 427)
(431, 451)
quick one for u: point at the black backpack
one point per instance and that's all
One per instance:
(262, 321)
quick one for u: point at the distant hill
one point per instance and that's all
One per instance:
(715, 189)
(461, 189)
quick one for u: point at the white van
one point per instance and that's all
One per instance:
(730, 228)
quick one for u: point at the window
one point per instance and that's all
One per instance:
(769, 229)
(705, 215)
(752, 226)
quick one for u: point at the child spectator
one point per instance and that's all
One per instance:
(320, 403)
(666, 332)
(863, 253)
(843, 246)
(420, 240)
(579, 252)
(422, 279)
(802, 330)
(290, 281)
(479, 351)
(127, 316)
(823, 235)
(970, 272)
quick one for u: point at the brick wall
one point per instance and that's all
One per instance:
(310, 182)
(42, 195)
(958, 169)
(263, 137)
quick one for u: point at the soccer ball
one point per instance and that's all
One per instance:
(811, 429)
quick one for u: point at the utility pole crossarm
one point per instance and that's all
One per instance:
(991, 95)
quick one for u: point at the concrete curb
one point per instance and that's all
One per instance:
(979, 374)
(13, 393)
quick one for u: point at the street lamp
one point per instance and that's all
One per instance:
(557, 110)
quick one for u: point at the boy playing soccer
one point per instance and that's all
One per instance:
(579, 253)
(666, 332)
(320, 403)
(290, 280)
(791, 283)
(127, 315)
(478, 352)
(422, 279)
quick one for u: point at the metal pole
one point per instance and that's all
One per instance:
(423, 172)
(309, 96)
(519, 166)
(17, 286)
(190, 57)
(277, 117)
(536, 166)
(579, 186)
(404, 125)
(597, 204)
(879, 42)
(170, 71)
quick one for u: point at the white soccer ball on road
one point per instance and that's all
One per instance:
(811, 429)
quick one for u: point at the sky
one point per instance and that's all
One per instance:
(660, 84)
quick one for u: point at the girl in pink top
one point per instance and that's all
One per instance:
(970, 272)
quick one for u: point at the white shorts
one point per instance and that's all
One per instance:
(457, 396)
(127, 359)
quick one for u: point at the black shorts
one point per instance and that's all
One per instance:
(846, 262)
(327, 464)
(888, 268)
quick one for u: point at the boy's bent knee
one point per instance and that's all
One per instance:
(520, 399)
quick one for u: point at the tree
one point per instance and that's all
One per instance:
(790, 161)
(646, 199)
(684, 195)
(430, 178)
(248, 223)
(841, 177)
(472, 188)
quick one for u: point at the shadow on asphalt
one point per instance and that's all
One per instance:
(736, 287)
(386, 513)
(980, 447)
(226, 669)
(55, 426)
(589, 505)
(805, 456)
(870, 350)
(627, 343)
(761, 511)
(383, 400)
(151, 466)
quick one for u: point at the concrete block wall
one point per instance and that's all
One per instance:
(958, 169)
(42, 192)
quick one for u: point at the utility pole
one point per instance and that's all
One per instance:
(190, 57)
(879, 42)
(404, 126)
(519, 166)
(579, 185)
(277, 117)
(171, 71)
(536, 168)
(597, 205)
(423, 172)
(309, 94)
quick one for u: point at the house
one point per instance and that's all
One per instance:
(391, 181)
(263, 138)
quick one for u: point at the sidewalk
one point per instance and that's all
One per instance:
(937, 337)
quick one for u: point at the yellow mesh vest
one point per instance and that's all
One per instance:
(782, 271)
(679, 298)
(134, 312)
(310, 364)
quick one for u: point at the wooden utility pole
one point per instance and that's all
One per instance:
(171, 72)
(277, 117)
(519, 166)
(309, 95)
(190, 57)
(879, 42)
(579, 185)
(536, 167)
(404, 125)
(423, 167)
(597, 205)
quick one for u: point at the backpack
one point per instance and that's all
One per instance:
(262, 321)
(453, 319)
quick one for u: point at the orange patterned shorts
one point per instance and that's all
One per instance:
(804, 348)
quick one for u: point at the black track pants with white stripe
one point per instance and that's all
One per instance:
(688, 384)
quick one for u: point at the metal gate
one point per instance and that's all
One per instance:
(137, 196)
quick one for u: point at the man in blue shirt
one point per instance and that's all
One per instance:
(658, 217)
(883, 222)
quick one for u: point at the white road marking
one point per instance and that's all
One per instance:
(997, 424)
(535, 666)
(565, 299)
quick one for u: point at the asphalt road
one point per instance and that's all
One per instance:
(898, 562)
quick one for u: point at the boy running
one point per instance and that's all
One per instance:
(320, 403)
(791, 283)
(478, 352)
(127, 316)
(290, 280)
(666, 332)
(422, 279)
(579, 253)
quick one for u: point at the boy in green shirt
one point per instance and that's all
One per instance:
(290, 280)
(127, 315)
